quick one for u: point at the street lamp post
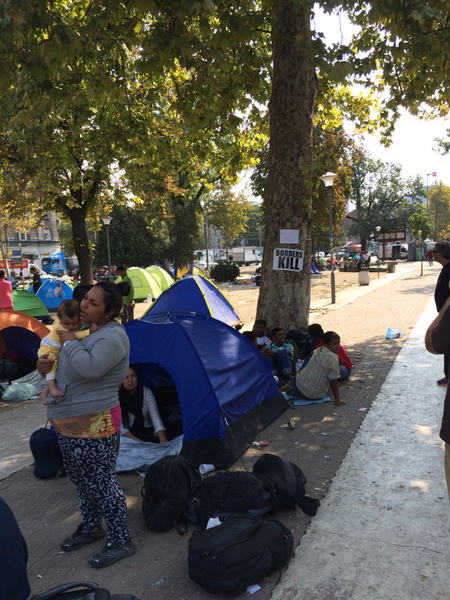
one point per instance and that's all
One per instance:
(106, 221)
(206, 241)
(428, 211)
(328, 180)
(378, 249)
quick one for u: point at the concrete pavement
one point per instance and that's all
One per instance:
(382, 531)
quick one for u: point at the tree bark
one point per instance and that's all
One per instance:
(77, 217)
(285, 296)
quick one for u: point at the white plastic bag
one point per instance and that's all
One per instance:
(17, 392)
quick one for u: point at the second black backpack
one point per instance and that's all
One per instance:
(237, 553)
(289, 482)
(168, 487)
(228, 492)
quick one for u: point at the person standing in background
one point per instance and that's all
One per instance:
(12, 279)
(36, 279)
(127, 313)
(441, 254)
(5, 292)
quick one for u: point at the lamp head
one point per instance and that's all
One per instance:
(106, 220)
(328, 179)
(378, 228)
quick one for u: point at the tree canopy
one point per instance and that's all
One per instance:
(439, 210)
(100, 98)
(136, 239)
(383, 197)
(227, 212)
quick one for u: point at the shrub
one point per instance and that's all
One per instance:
(225, 271)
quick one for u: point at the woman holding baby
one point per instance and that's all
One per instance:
(87, 418)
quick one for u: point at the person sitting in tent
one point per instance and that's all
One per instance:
(5, 292)
(140, 415)
(68, 319)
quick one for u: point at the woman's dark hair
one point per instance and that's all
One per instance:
(113, 295)
(2, 273)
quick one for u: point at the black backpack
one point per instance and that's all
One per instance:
(88, 591)
(228, 492)
(168, 486)
(289, 482)
(237, 553)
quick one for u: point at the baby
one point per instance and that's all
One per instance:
(68, 319)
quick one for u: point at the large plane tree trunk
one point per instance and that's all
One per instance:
(285, 295)
(77, 218)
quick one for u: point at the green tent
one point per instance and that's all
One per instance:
(144, 284)
(164, 278)
(28, 303)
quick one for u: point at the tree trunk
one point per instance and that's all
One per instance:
(285, 295)
(77, 217)
(4, 254)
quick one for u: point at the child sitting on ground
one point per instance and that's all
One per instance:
(68, 319)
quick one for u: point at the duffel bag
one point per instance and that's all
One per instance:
(237, 553)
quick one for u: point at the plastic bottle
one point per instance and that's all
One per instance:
(393, 333)
(298, 365)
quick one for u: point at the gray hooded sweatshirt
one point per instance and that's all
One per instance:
(90, 372)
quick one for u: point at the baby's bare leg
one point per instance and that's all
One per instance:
(53, 389)
(44, 395)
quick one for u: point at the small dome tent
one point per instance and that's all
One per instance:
(20, 333)
(179, 273)
(28, 303)
(164, 278)
(225, 387)
(144, 283)
(53, 291)
(195, 294)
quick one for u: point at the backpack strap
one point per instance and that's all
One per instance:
(61, 589)
(181, 525)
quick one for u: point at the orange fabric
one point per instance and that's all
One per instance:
(14, 318)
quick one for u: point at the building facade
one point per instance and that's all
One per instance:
(36, 243)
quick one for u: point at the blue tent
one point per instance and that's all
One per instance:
(225, 387)
(53, 291)
(195, 294)
(314, 269)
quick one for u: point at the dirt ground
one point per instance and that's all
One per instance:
(244, 295)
